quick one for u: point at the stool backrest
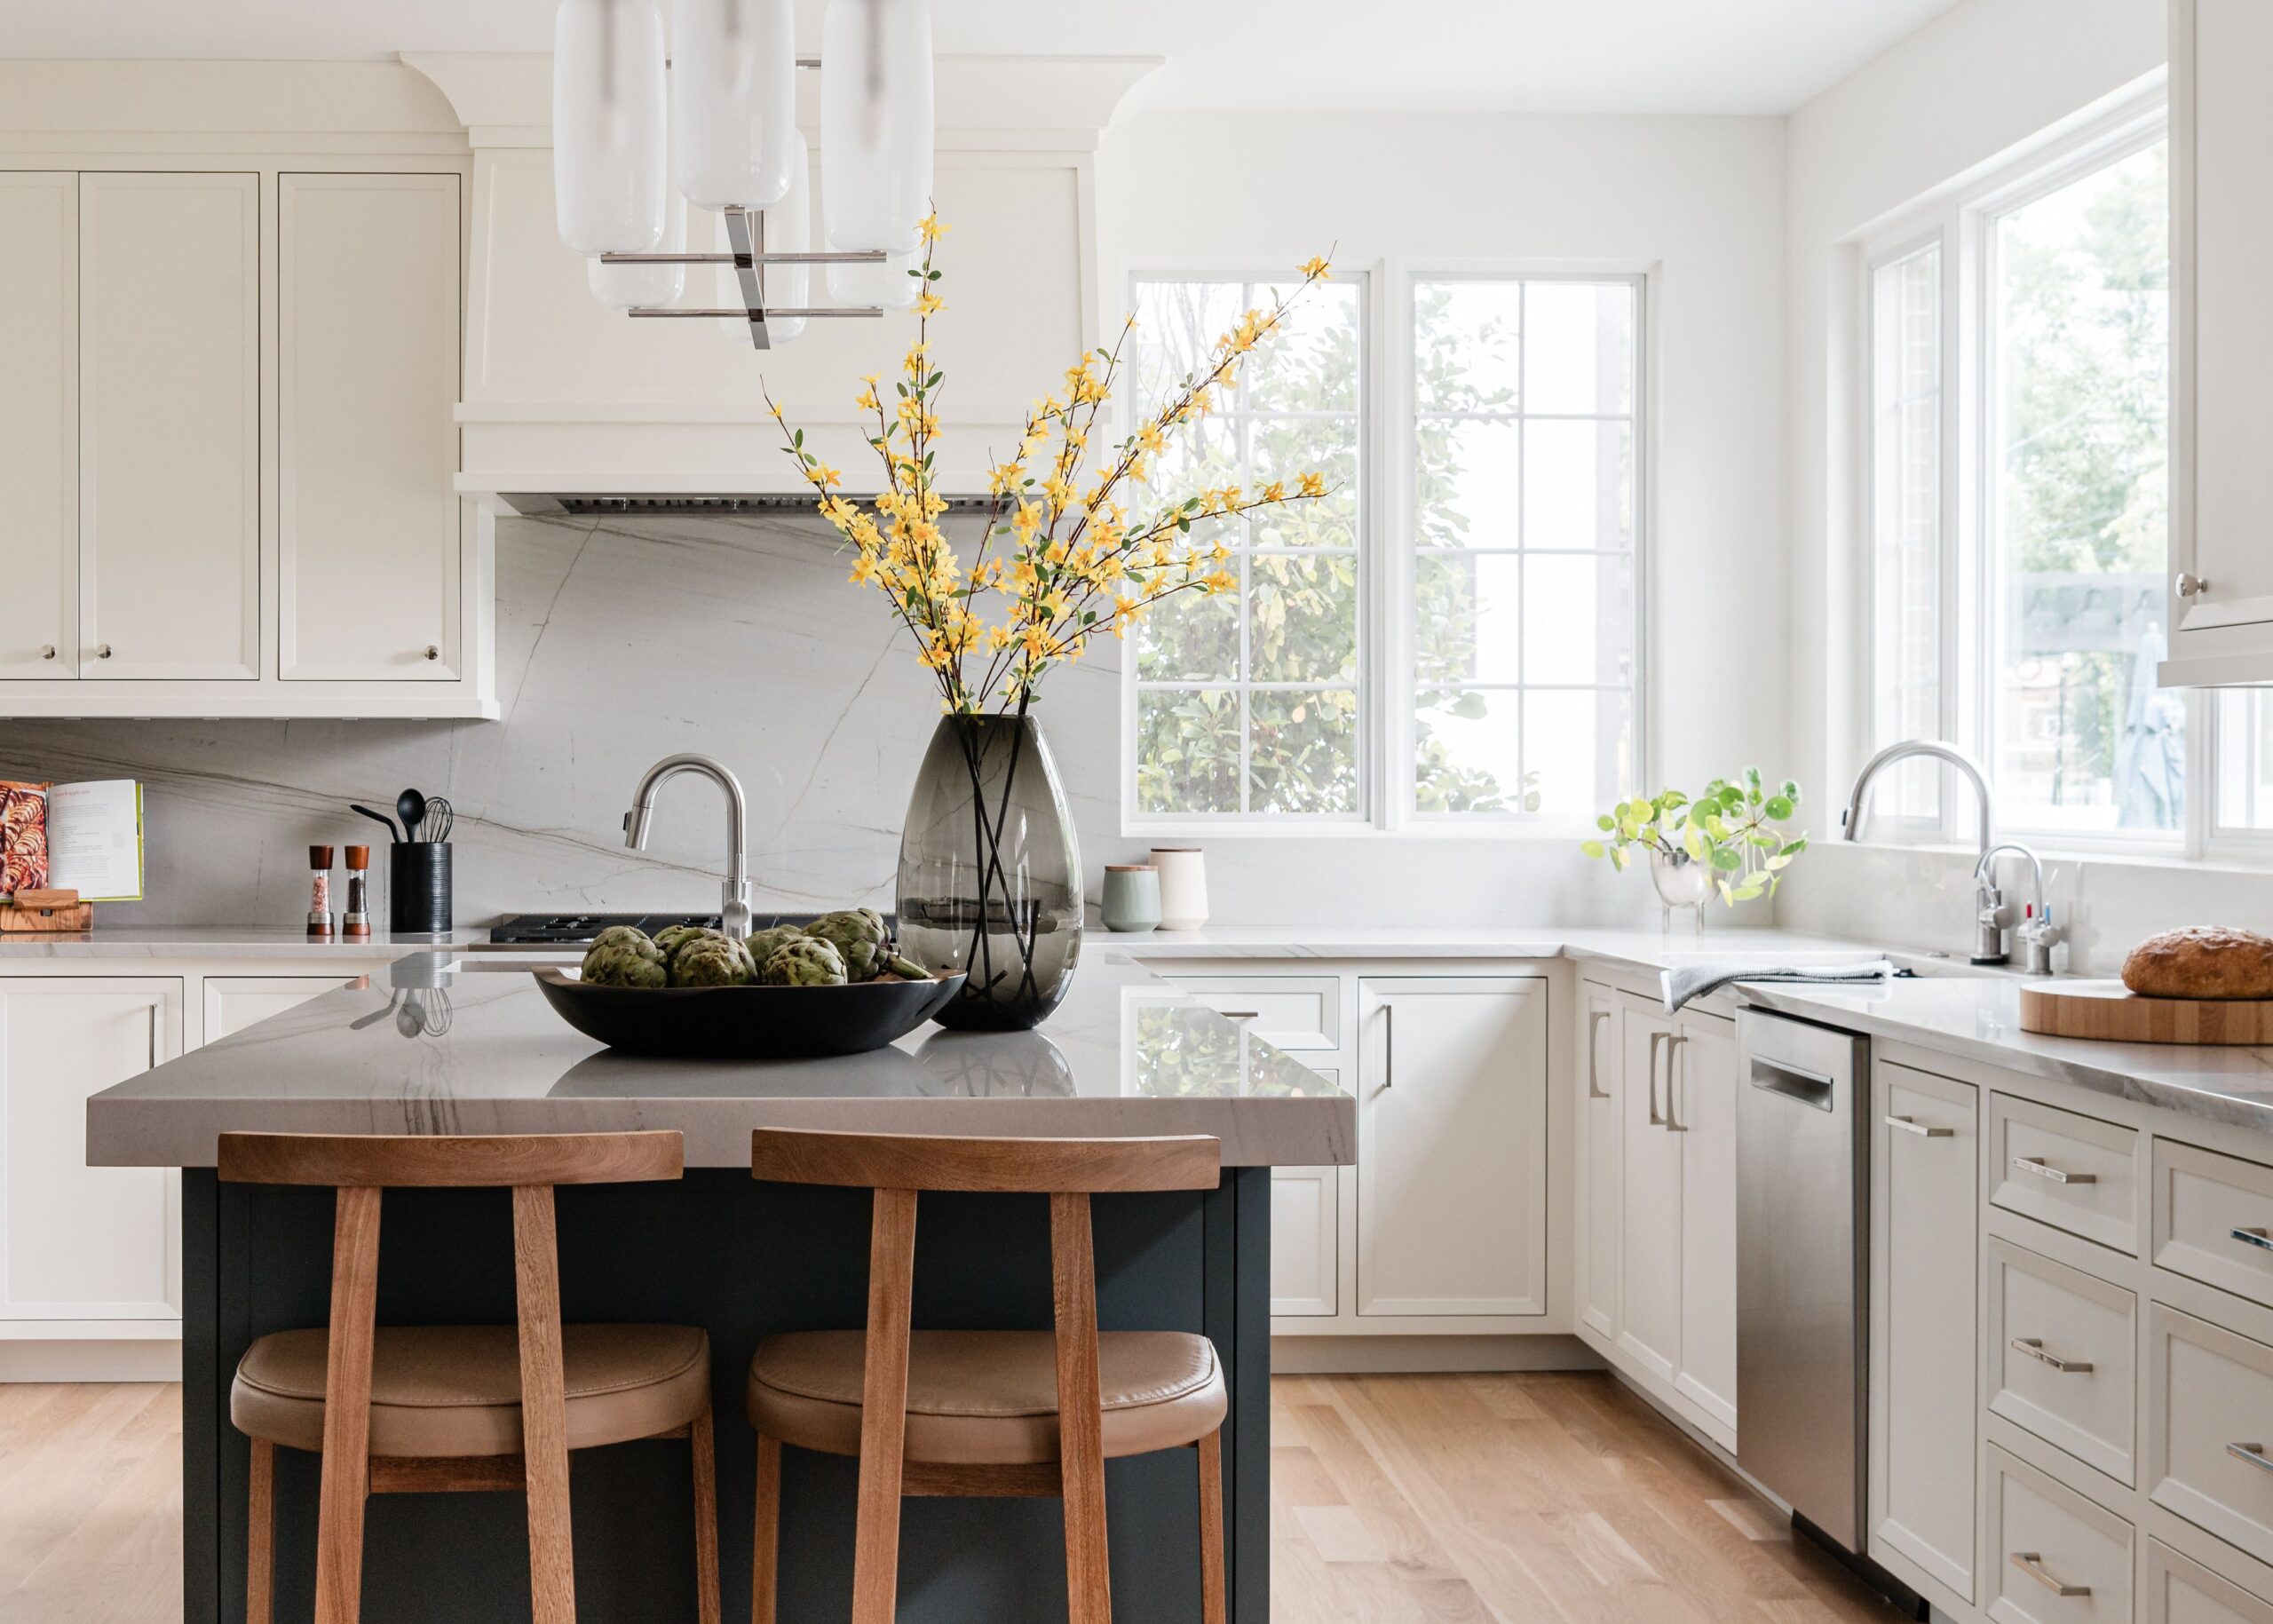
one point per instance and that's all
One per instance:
(897, 1167)
(359, 1166)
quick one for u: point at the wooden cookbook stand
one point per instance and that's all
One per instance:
(50, 913)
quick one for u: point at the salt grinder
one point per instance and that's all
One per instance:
(356, 921)
(320, 919)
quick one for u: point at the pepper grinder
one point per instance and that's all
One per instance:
(356, 921)
(319, 921)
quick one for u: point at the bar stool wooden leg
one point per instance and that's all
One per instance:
(1080, 1410)
(883, 1407)
(1212, 1577)
(260, 1534)
(544, 1407)
(766, 1553)
(706, 1519)
(348, 1407)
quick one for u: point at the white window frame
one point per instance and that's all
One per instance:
(1387, 555)
(1963, 223)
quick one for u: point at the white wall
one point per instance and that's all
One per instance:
(1701, 200)
(1985, 77)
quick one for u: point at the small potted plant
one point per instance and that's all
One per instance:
(1722, 841)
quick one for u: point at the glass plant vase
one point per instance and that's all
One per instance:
(990, 874)
(1682, 882)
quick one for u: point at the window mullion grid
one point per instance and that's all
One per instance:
(1523, 535)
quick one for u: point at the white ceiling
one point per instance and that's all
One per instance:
(1665, 56)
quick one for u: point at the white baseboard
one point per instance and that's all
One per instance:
(1324, 1356)
(124, 1360)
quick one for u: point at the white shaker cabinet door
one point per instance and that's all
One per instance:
(1451, 1178)
(1306, 1236)
(1925, 1250)
(1701, 1103)
(169, 425)
(39, 426)
(78, 1242)
(1598, 1192)
(368, 538)
(1649, 1229)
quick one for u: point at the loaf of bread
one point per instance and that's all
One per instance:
(2201, 961)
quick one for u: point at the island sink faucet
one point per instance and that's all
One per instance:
(733, 905)
(1988, 928)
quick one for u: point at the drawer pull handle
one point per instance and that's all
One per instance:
(2254, 1238)
(2032, 1562)
(2037, 1166)
(2034, 1348)
(2255, 1454)
(1240, 1014)
(1595, 1091)
(1919, 1129)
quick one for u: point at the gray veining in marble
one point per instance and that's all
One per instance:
(462, 1043)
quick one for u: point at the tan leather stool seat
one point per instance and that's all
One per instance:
(987, 1398)
(456, 1389)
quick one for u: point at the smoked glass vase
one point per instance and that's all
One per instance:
(990, 874)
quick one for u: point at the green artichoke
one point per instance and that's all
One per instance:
(708, 963)
(807, 961)
(762, 943)
(671, 938)
(860, 936)
(621, 956)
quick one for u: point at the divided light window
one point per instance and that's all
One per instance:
(1525, 441)
(1907, 644)
(1251, 702)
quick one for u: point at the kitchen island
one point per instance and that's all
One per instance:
(462, 1042)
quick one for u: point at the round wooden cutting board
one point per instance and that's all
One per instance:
(2113, 1013)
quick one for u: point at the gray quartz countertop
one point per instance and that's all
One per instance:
(458, 1043)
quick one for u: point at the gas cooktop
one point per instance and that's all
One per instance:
(571, 929)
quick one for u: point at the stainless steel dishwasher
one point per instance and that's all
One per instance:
(1802, 1156)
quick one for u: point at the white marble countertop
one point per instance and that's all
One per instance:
(227, 942)
(453, 1042)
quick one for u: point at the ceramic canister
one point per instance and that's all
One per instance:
(1184, 886)
(1132, 897)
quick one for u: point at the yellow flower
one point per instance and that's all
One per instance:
(1276, 491)
(823, 475)
(933, 227)
(1315, 270)
(1313, 485)
(776, 408)
(927, 302)
(1151, 440)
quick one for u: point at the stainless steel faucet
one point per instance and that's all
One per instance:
(733, 906)
(2036, 933)
(1988, 930)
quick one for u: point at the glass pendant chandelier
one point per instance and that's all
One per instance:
(633, 145)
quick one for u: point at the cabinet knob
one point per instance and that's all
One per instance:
(103, 651)
(47, 650)
(2191, 585)
(434, 653)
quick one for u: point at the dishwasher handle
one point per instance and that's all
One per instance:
(1805, 1087)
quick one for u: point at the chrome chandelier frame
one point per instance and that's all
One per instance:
(746, 230)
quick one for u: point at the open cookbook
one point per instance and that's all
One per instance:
(82, 837)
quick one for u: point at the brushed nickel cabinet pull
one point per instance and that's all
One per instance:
(1240, 1014)
(2255, 1454)
(2253, 1238)
(1673, 1052)
(2036, 1166)
(1656, 1039)
(2034, 1348)
(47, 650)
(2030, 1563)
(2191, 585)
(1908, 1126)
(1389, 1046)
(434, 652)
(1595, 1091)
(103, 651)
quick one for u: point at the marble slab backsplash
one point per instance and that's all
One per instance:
(621, 641)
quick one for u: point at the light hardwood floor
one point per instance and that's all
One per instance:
(1496, 1499)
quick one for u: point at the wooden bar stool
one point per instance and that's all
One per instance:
(424, 1408)
(984, 1413)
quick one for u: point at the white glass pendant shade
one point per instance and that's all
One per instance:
(789, 230)
(609, 170)
(733, 101)
(889, 285)
(645, 287)
(876, 122)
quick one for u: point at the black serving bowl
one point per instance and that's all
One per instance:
(746, 1023)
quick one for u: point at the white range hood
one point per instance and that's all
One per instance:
(565, 398)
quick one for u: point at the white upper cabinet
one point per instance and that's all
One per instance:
(169, 425)
(2221, 235)
(39, 409)
(366, 377)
